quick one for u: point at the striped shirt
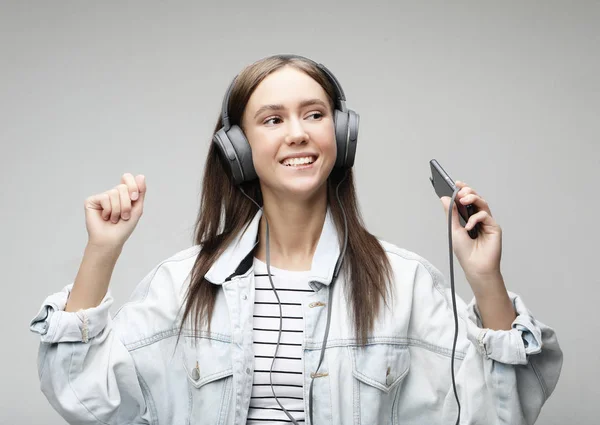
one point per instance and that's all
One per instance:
(287, 371)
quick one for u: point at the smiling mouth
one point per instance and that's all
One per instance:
(299, 162)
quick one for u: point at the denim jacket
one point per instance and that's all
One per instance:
(127, 369)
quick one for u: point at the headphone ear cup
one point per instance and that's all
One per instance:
(228, 155)
(235, 151)
(353, 122)
(341, 136)
(244, 152)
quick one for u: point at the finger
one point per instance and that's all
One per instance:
(455, 220)
(476, 200)
(480, 217)
(124, 197)
(132, 186)
(106, 206)
(137, 208)
(140, 180)
(100, 202)
(115, 204)
(466, 190)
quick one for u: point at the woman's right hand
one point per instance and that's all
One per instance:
(111, 216)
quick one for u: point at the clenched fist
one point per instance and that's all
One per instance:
(111, 216)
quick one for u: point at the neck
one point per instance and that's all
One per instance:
(294, 231)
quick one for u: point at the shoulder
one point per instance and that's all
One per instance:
(181, 261)
(159, 294)
(404, 261)
(428, 291)
(170, 272)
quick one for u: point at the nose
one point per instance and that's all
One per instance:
(296, 133)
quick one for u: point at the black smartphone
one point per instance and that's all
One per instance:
(444, 186)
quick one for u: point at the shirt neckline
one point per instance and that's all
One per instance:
(261, 268)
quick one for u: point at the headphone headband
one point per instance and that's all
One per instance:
(340, 99)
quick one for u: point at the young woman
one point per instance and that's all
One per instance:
(287, 310)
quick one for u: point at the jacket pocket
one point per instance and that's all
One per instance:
(379, 371)
(209, 372)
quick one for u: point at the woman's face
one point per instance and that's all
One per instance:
(289, 124)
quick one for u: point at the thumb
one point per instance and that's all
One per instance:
(455, 219)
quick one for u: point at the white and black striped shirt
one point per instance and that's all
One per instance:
(287, 371)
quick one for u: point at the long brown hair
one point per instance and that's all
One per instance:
(224, 212)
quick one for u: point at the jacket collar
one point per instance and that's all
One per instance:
(242, 246)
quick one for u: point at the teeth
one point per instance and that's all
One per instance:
(299, 161)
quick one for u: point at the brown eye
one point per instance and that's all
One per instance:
(272, 120)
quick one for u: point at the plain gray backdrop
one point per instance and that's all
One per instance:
(506, 95)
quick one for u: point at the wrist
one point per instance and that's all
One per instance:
(495, 306)
(487, 285)
(103, 251)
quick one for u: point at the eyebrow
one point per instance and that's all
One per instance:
(279, 107)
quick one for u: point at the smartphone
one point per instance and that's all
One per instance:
(444, 186)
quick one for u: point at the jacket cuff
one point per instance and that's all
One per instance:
(54, 324)
(506, 346)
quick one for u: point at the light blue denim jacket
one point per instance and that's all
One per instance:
(127, 369)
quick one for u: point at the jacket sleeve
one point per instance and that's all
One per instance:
(505, 376)
(85, 372)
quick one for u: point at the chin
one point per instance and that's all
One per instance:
(300, 189)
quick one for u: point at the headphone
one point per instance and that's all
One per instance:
(234, 148)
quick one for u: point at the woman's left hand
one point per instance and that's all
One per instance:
(479, 257)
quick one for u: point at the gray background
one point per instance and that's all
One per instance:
(505, 95)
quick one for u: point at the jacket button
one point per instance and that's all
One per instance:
(248, 370)
(244, 297)
(196, 372)
(389, 380)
